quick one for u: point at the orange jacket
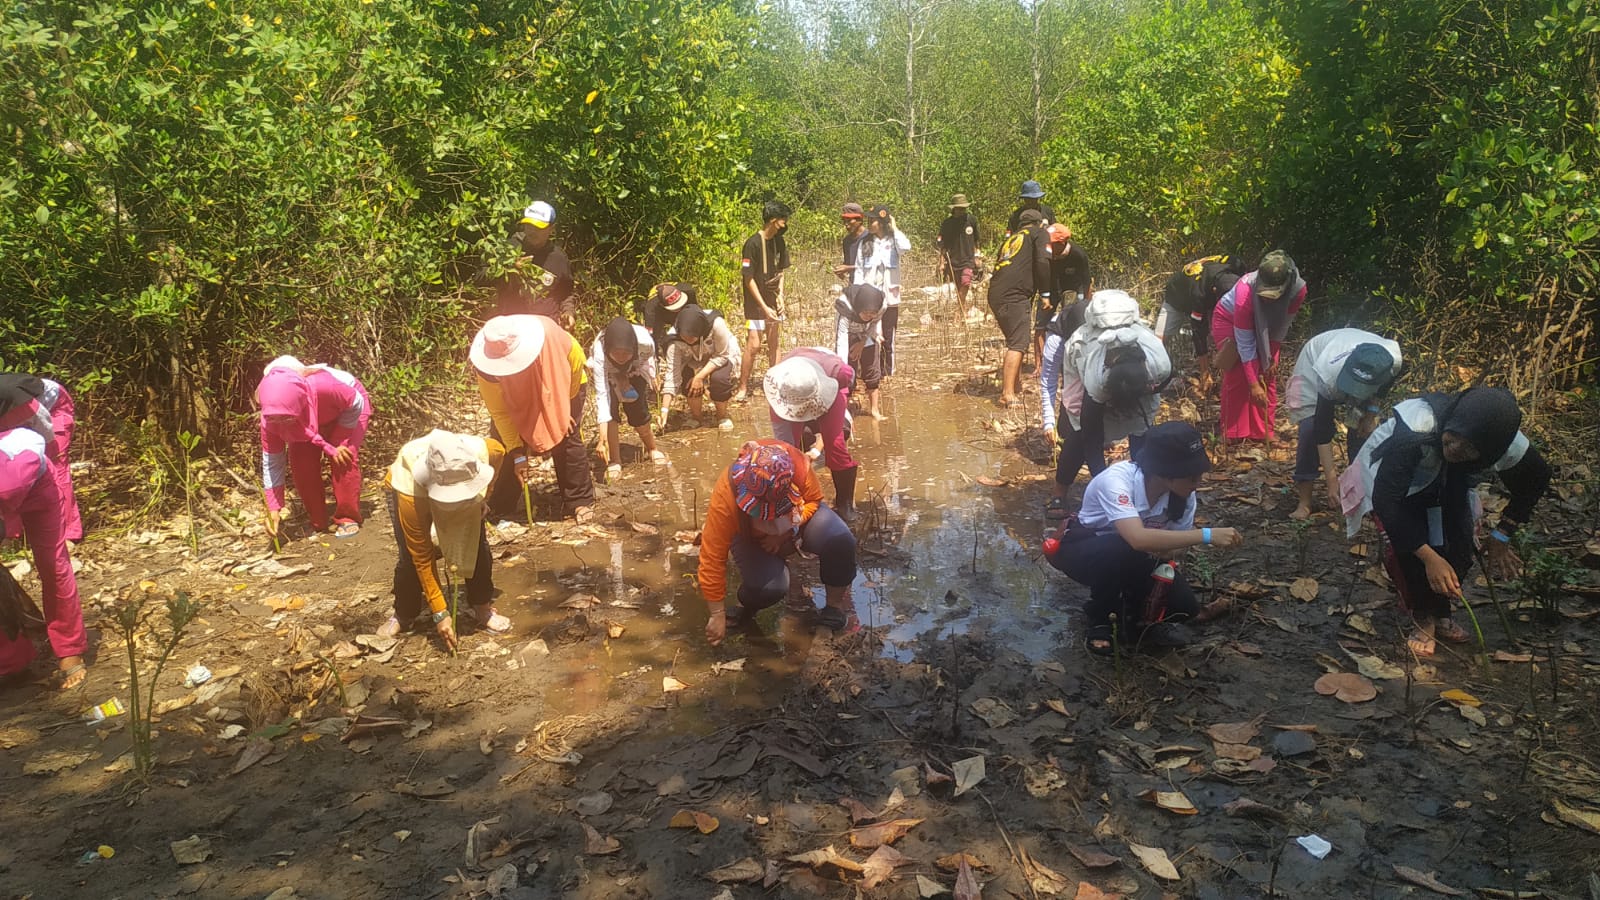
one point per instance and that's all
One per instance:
(725, 521)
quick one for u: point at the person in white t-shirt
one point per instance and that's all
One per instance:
(1131, 512)
(1345, 366)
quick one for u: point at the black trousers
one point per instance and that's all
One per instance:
(574, 476)
(408, 600)
(1087, 444)
(1118, 578)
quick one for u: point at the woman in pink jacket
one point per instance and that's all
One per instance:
(30, 496)
(1247, 329)
(307, 413)
(46, 407)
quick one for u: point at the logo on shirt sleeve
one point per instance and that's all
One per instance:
(1124, 500)
(745, 264)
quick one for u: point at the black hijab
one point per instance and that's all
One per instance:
(693, 322)
(17, 390)
(1486, 417)
(619, 335)
(858, 299)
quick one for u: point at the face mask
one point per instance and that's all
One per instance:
(781, 230)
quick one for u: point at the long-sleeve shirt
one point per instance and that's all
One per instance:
(22, 464)
(343, 412)
(880, 264)
(609, 378)
(1238, 308)
(725, 521)
(717, 349)
(416, 520)
(1083, 377)
(494, 399)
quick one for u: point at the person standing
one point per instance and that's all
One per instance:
(766, 256)
(50, 413)
(542, 283)
(1345, 366)
(1135, 514)
(701, 358)
(1069, 284)
(308, 413)
(1248, 327)
(622, 367)
(1193, 292)
(1032, 197)
(766, 506)
(437, 487)
(531, 376)
(958, 243)
(31, 501)
(858, 332)
(880, 267)
(855, 231)
(1021, 270)
(808, 392)
(1417, 473)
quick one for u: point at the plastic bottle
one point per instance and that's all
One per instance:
(1155, 603)
(1052, 543)
(107, 710)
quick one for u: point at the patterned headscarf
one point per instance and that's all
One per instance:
(763, 481)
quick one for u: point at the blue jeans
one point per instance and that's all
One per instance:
(764, 578)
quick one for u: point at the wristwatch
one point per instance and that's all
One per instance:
(440, 616)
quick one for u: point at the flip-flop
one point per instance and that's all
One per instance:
(346, 529)
(1449, 630)
(1097, 640)
(69, 674)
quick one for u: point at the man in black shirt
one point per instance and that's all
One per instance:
(1069, 285)
(855, 229)
(766, 255)
(958, 242)
(1021, 270)
(542, 283)
(1193, 291)
(1031, 195)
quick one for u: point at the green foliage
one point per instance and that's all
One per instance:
(193, 187)
(134, 615)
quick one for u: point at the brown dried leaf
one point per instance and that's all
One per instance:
(880, 865)
(954, 861)
(994, 713)
(1587, 819)
(1155, 860)
(670, 684)
(615, 630)
(684, 818)
(858, 811)
(597, 844)
(1087, 891)
(1235, 732)
(1348, 687)
(883, 833)
(928, 888)
(1041, 878)
(1092, 857)
(1171, 801)
(744, 871)
(1426, 879)
(1505, 657)
(1250, 809)
(826, 856)
(967, 887)
(1056, 706)
(644, 528)
(968, 773)
(933, 776)
(1305, 589)
(989, 481)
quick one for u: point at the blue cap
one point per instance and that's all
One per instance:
(1031, 191)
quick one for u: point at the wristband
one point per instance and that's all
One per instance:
(518, 460)
(1373, 409)
(440, 616)
(1205, 535)
(1500, 536)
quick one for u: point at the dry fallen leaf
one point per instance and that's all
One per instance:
(1347, 687)
(685, 818)
(670, 684)
(581, 601)
(732, 665)
(597, 844)
(1041, 878)
(989, 481)
(884, 833)
(858, 811)
(1087, 891)
(1304, 589)
(614, 630)
(967, 887)
(993, 712)
(1171, 801)
(1373, 667)
(1234, 732)
(968, 773)
(1092, 857)
(1248, 808)
(897, 799)
(1426, 879)
(1461, 697)
(1155, 860)
(744, 871)
(927, 887)
(826, 856)
(1503, 656)
(954, 861)
(1587, 819)
(1056, 706)
(880, 865)
(933, 777)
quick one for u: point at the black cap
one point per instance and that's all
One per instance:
(1367, 368)
(1174, 450)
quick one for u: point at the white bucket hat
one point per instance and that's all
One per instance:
(450, 472)
(506, 345)
(799, 391)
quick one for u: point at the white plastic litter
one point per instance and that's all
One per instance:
(1315, 845)
(196, 676)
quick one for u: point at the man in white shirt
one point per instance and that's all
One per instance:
(1135, 515)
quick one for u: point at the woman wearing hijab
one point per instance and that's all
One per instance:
(307, 413)
(1417, 475)
(46, 407)
(1110, 389)
(808, 392)
(437, 486)
(661, 309)
(1342, 367)
(766, 506)
(1135, 515)
(531, 376)
(879, 266)
(701, 359)
(31, 498)
(1247, 328)
(622, 366)
(858, 335)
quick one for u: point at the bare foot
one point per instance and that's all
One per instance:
(878, 415)
(73, 672)
(1301, 512)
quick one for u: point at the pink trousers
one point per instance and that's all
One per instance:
(62, 420)
(41, 516)
(305, 467)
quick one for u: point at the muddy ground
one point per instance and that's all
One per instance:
(321, 763)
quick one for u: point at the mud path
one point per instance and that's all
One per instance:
(502, 759)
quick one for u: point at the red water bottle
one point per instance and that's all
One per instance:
(1155, 603)
(1052, 543)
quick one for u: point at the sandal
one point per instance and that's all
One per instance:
(583, 515)
(1421, 643)
(657, 457)
(494, 623)
(346, 529)
(1056, 508)
(74, 676)
(1449, 630)
(839, 621)
(1097, 640)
